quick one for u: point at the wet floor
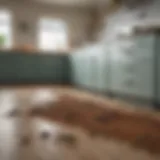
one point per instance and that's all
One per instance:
(35, 138)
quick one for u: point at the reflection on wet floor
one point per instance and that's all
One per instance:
(23, 137)
(8, 126)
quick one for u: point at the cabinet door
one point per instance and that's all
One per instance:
(144, 45)
(102, 72)
(115, 72)
(120, 81)
(97, 66)
(144, 66)
(86, 72)
(144, 77)
(157, 50)
(76, 69)
(93, 72)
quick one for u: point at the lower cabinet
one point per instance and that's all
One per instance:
(128, 71)
(89, 68)
(132, 71)
(144, 77)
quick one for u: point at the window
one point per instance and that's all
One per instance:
(52, 35)
(5, 29)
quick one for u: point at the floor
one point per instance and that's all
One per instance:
(55, 123)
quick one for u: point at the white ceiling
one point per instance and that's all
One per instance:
(76, 3)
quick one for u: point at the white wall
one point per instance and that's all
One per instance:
(78, 20)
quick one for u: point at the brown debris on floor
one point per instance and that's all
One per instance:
(44, 135)
(140, 130)
(68, 139)
(25, 141)
(36, 111)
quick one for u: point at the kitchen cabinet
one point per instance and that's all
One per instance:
(89, 67)
(128, 67)
(132, 69)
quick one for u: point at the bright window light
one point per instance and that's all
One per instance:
(5, 29)
(52, 35)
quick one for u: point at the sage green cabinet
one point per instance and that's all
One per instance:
(120, 69)
(80, 68)
(132, 69)
(157, 67)
(34, 68)
(89, 68)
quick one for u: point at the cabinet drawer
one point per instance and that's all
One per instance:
(121, 81)
(145, 41)
(144, 75)
(144, 89)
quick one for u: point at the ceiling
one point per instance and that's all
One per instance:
(76, 3)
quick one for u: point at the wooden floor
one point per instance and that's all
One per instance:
(55, 123)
